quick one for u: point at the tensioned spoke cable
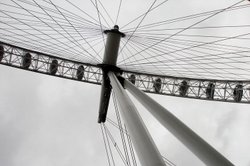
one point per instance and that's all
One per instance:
(26, 16)
(73, 39)
(82, 11)
(51, 31)
(202, 47)
(190, 50)
(105, 10)
(105, 144)
(100, 23)
(180, 19)
(131, 147)
(199, 45)
(116, 125)
(37, 47)
(184, 42)
(232, 60)
(202, 44)
(158, 36)
(121, 133)
(116, 146)
(206, 54)
(76, 16)
(154, 66)
(143, 31)
(187, 68)
(55, 35)
(100, 13)
(70, 15)
(118, 12)
(124, 130)
(133, 48)
(13, 34)
(213, 60)
(42, 39)
(77, 32)
(130, 52)
(44, 28)
(215, 44)
(192, 25)
(136, 47)
(110, 150)
(144, 16)
(122, 54)
(30, 25)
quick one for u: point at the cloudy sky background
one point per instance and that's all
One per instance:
(51, 121)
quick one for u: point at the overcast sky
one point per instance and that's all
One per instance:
(51, 121)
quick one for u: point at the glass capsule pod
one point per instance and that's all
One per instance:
(1, 52)
(157, 85)
(183, 88)
(132, 78)
(26, 61)
(210, 90)
(53, 67)
(80, 72)
(238, 93)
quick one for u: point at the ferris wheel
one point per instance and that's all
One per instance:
(194, 50)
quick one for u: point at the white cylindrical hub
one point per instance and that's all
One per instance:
(145, 148)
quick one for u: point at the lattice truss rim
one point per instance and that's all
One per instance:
(214, 90)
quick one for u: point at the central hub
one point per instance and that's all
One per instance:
(109, 64)
(112, 45)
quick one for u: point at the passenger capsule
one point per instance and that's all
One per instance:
(183, 88)
(53, 67)
(80, 72)
(238, 93)
(157, 85)
(26, 61)
(132, 78)
(210, 90)
(1, 52)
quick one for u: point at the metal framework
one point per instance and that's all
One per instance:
(145, 147)
(215, 90)
(183, 133)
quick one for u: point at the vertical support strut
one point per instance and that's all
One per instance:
(190, 139)
(146, 149)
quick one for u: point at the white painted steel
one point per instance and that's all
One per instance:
(145, 147)
(189, 138)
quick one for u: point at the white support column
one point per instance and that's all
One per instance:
(146, 149)
(190, 139)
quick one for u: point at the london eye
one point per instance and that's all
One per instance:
(70, 72)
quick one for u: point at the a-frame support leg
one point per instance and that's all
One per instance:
(189, 138)
(145, 147)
